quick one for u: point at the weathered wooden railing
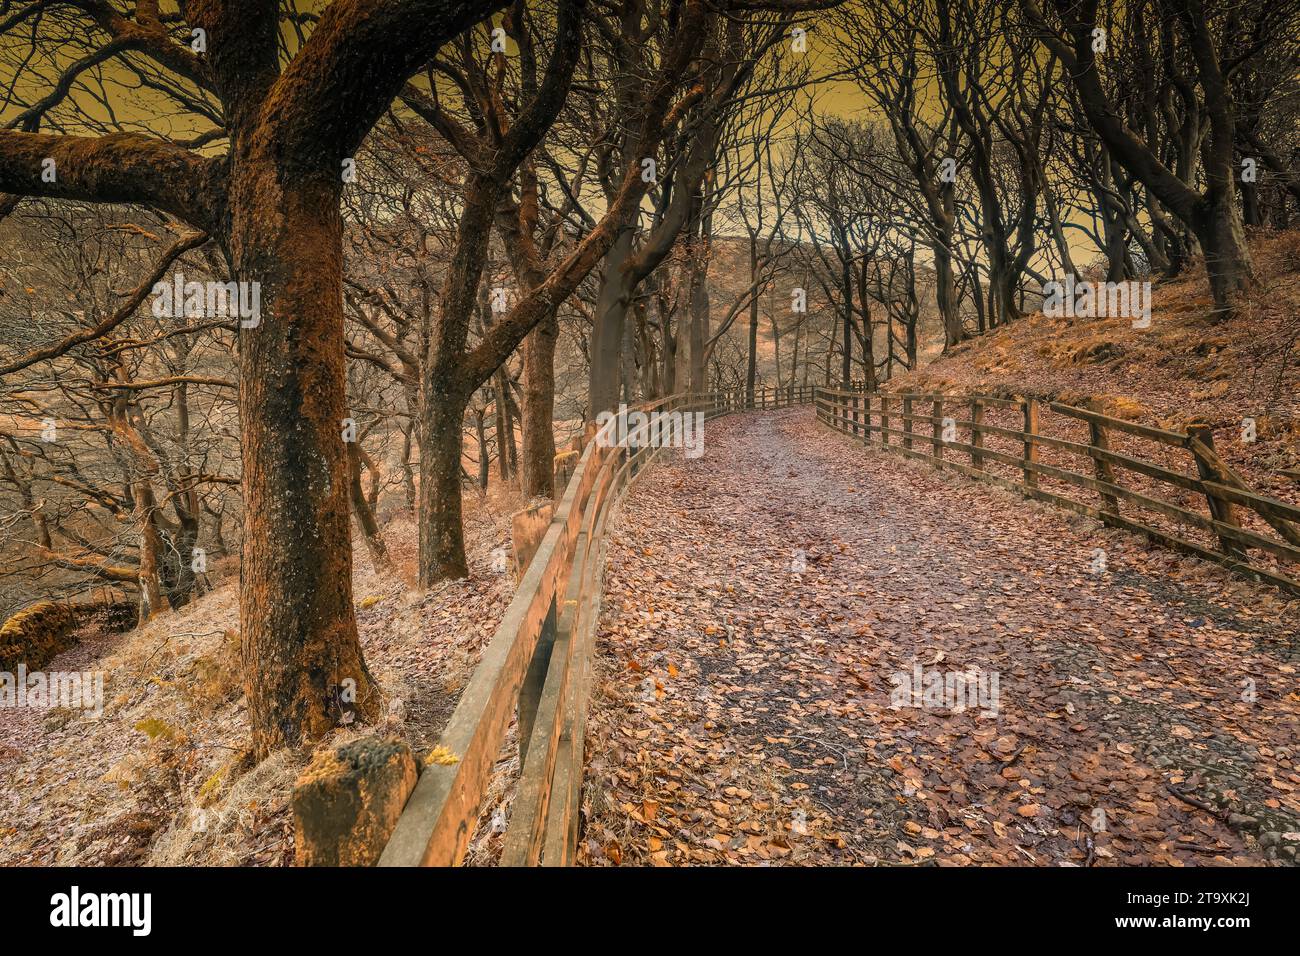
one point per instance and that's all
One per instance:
(1034, 448)
(771, 396)
(539, 664)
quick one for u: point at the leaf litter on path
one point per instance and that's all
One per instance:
(769, 605)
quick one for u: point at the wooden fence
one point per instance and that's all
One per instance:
(1178, 491)
(539, 664)
(737, 399)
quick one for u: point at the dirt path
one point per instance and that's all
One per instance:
(761, 599)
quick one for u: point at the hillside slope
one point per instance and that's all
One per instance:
(1186, 367)
(164, 775)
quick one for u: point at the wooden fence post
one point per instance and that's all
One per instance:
(1102, 468)
(976, 432)
(347, 802)
(884, 421)
(907, 423)
(1031, 446)
(1220, 510)
(937, 428)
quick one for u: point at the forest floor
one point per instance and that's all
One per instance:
(761, 599)
(164, 776)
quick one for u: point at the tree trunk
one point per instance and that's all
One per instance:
(180, 578)
(699, 324)
(1250, 205)
(977, 296)
(152, 599)
(943, 213)
(180, 582)
(667, 353)
(911, 341)
(408, 473)
(480, 433)
(1058, 231)
(1228, 263)
(442, 544)
(945, 294)
(649, 358)
(628, 376)
(607, 332)
(365, 515)
(794, 357)
(304, 672)
(505, 429)
(512, 412)
(751, 369)
(868, 340)
(538, 412)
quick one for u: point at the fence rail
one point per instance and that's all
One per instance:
(539, 665)
(771, 396)
(1035, 448)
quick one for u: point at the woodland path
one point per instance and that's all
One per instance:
(742, 708)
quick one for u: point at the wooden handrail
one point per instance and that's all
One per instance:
(1224, 491)
(547, 630)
